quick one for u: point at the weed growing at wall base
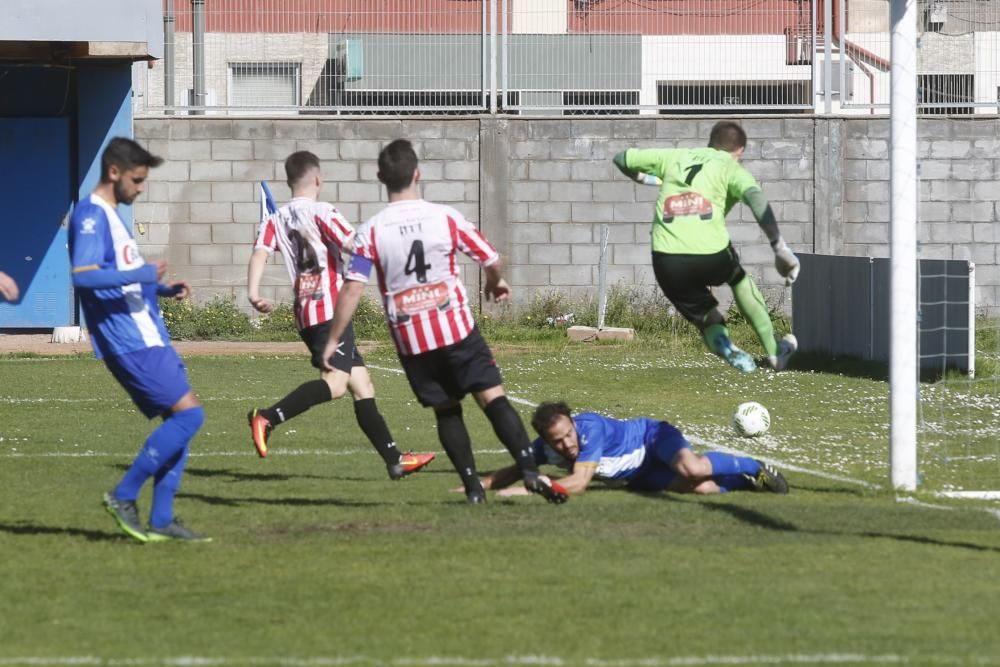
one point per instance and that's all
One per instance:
(539, 319)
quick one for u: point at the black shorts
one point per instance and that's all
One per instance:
(449, 373)
(347, 356)
(685, 280)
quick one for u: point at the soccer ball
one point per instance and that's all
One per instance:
(751, 419)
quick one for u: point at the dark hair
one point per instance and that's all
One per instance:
(547, 413)
(727, 136)
(125, 154)
(396, 165)
(298, 164)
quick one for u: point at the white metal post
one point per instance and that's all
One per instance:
(484, 54)
(169, 62)
(602, 277)
(493, 56)
(972, 319)
(198, 95)
(828, 56)
(903, 247)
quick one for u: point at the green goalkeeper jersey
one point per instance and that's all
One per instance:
(700, 186)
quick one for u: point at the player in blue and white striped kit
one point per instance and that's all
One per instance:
(640, 454)
(118, 293)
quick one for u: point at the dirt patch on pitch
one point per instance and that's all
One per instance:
(42, 344)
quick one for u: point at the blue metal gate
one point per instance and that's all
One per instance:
(35, 160)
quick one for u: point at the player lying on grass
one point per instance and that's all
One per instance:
(310, 234)
(641, 454)
(691, 247)
(118, 294)
(412, 245)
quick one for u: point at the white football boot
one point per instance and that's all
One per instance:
(786, 348)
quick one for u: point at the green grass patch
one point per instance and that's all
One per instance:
(319, 559)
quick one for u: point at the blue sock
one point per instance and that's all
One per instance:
(732, 482)
(729, 464)
(160, 449)
(183, 425)
(168, 481)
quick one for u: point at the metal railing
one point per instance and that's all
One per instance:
(562, 57)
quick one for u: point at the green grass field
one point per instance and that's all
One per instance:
(318, 559)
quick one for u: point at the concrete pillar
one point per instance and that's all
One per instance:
(828, 198)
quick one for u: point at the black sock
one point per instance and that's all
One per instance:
(298, 401)
(455, 440)
(509, 428)
(371, 422)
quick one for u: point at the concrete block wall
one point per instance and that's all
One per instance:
(563, 187)
(959, 210)
(541, 188)
(202, 210)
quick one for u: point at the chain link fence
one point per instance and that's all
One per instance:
(562, 57)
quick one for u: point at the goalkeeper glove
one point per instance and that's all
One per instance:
(785, 261)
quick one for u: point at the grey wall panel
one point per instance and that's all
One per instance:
(455, 62)
(84, 21)
(831, 305)
(417, 62)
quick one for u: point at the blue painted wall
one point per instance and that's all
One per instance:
(54, 124)
(34, 249)
(103, 111)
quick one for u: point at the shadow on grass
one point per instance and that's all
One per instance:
(234, 475)
(289, 502)
(861, 368)
(855, 491)
(238, 476)
(756, 518)
(849, 366)
(33, 529)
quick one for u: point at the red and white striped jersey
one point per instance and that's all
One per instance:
(310, 235)
(412, 244)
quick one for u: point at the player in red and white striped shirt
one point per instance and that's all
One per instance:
(412, 245)
(310, 234)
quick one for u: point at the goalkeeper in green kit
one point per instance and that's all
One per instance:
(691, 247)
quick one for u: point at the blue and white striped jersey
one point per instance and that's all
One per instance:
(120, 319)
(617, 447)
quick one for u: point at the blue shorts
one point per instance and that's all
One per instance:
(155, 378)
(663, 441)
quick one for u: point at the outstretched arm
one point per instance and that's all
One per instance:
(785, 260)
(638, 176)
(92, 276)
(575, 483)
(347, 304)
(8, 288)
(502, 478)
(578, 481)
(496, 287)
(175, 289)
(255, 271)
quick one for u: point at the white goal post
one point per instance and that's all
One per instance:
(903, 247)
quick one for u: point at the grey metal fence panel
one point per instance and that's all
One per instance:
(832, 305)
(944, 314)
(561, 56)
(840, 306)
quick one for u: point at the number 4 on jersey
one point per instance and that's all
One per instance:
(415, 262)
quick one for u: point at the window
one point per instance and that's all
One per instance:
(727, 96)
(944, 91)
(587, 103)
(265, 85)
